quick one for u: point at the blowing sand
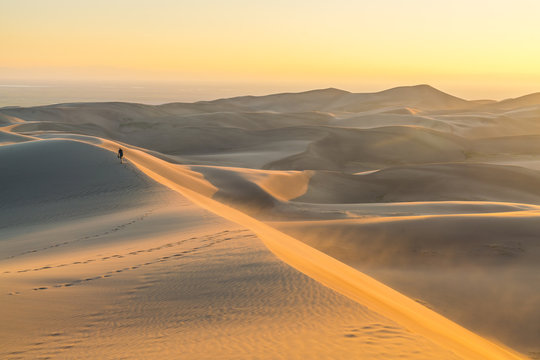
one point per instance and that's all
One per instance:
(325, 224)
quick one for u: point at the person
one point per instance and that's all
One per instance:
(120, 154)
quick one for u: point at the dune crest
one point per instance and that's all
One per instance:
(337, 275)
(434, 196)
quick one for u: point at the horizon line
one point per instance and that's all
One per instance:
(247, 95)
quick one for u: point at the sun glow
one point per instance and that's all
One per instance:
(458, 46)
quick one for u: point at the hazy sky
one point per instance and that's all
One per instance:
(471, 48)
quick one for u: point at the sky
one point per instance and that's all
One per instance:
(470, 48)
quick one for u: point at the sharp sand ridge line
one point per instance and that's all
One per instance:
(329, 271)
(321, 267)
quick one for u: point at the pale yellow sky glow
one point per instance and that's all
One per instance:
(473, 49)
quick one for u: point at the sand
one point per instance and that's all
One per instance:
(138, 271)
(324, 224)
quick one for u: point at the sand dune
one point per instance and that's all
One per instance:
(339, 276)
(464, 256)
(421, 96)
(393, 118)
(519, 102)
(255, 191)
(159, 277)
(434, 182)
(9, 138)
(253, 134)
(245, 143)
(435, 196)
(510, 145)
(357, 150)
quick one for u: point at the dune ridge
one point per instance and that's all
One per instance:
(431, 195)
(335, 274)
(138, 272)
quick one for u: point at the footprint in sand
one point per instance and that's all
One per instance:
(87, 237)
(208, 241)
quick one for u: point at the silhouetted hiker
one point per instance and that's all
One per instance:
(120, 155)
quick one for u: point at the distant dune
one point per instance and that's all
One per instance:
(520, 102)
(424, 97)
(430, 182)
(323, 224)
(356, 150)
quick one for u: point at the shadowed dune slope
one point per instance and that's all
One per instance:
(40, 178)
(390, 118)
(255, 191)
(508, 145)
(356, 150)
(452, 262)
(9, 138)
(426, 240)
(436, 182)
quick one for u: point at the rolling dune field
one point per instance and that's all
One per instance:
(403, 224)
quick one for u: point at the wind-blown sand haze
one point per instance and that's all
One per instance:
(320, 225)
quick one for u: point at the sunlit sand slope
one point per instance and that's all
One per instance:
(335, 274)
(106, 263)
(434, 196)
